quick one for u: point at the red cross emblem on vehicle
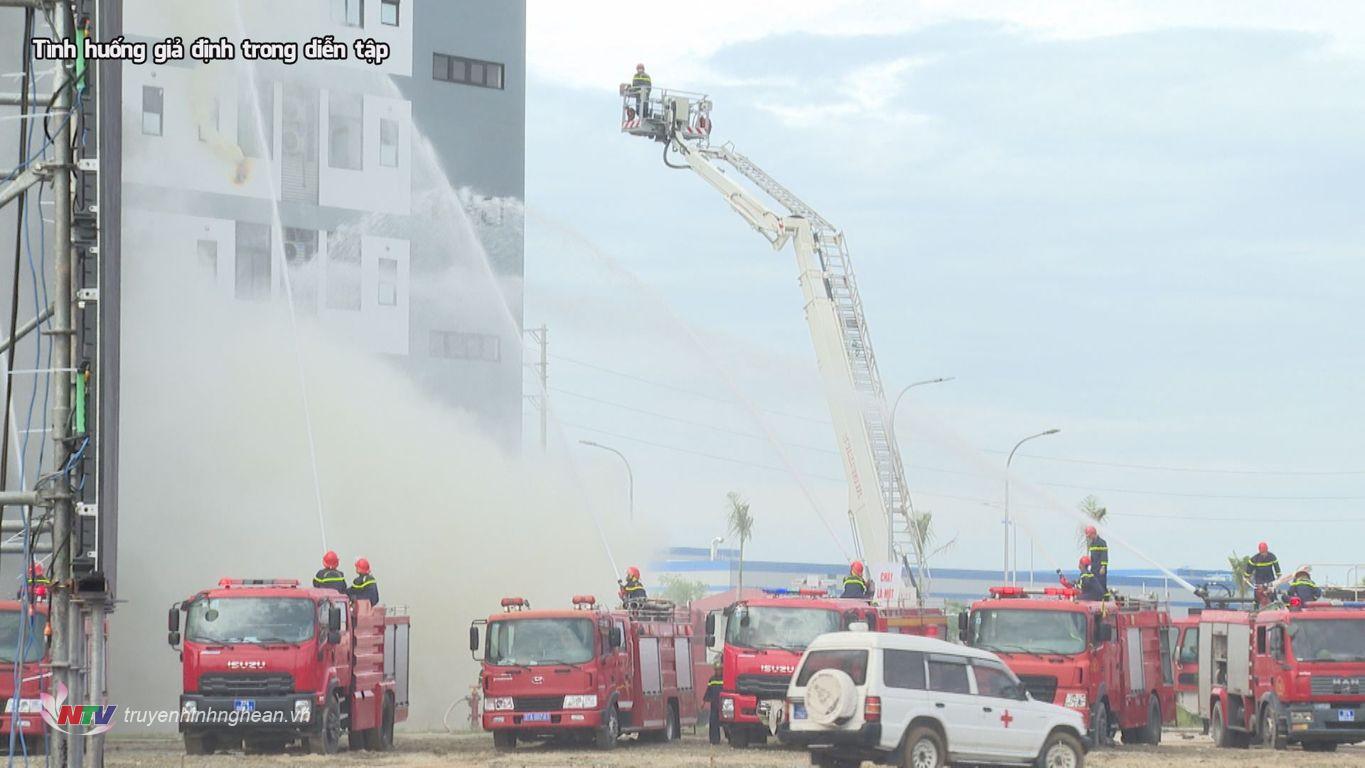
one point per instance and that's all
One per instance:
(1007, 718)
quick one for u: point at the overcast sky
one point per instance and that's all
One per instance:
(1137, 222)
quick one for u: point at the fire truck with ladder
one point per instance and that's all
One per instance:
(760, 641)
(1110, 661)
(1283, 674)
(267, 662)
(585, 673)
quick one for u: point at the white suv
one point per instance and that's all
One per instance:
(921, 703)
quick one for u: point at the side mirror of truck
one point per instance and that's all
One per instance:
(334, 618)
(334, 637)
(173, 618)
(173, 637)
(710, 626)
(1103, 633)
(614, 638)
(964, 626)
(473, 639)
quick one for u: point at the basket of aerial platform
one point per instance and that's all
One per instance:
(661, 114)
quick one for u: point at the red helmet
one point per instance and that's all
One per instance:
(362, 566)
(330, 559)
(1085, 561)
(1089, 531)
(632, 572)
(1263, 547)
(856, 567)
(35, 570)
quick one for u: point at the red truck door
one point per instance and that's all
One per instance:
(337, 655)
(621, 669)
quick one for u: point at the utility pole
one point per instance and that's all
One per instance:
(541, 336)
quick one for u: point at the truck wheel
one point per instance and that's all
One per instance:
(380, 739)
(610, 731)
(198, 745)
(1271, 735)
(1222, 737)
(738, 735)
(504, 741)
(1152, 733)
(672, 730)
(1099, 724)
(326, 740)
(924, 748)
(1061, 750)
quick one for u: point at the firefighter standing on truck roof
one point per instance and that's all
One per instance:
(1265, 567)
(632, 589)
(1098, 551)
(1303, 588)
(328, 577)
(712, 697)
(1088, 583)
(364, 587)
(855, 586)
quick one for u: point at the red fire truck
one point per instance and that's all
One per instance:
(267, 662)
(760, 641)
(585, 672)
(1111, 660)
(34, 674)
(1284, 675)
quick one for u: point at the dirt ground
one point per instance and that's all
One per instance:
(466, 751)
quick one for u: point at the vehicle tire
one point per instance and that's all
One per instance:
(1099, 725)
(738, 736)
(380, 738)
(1061, 750)
(198, 744)
(1217, 729)
(610, 732)
(673, 728)
(1151, 734)
(924, 748)
(831, 697)
(326, 740)
(357, 740)
(1272, 736)
(1319, 746)
(504, 741)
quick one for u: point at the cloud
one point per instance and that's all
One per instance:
(869, 93)
(596, 46)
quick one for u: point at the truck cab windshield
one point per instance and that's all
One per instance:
(1018, 631)
(251, 620)
(524, 642)
(792, 629)
(35, 645)
(1328, 639)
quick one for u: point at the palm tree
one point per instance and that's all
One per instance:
(741, 527)
(1090, 507)
(922, 538)
(1240, 565)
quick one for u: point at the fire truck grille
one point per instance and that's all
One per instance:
(246, 685)
(538, 703)
(1040, 687)
(763, 686)
(1328, 685)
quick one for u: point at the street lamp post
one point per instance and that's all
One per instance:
(1009, 520)
(895, 441)
(630, 475)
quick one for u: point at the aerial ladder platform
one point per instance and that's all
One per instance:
(879, 502)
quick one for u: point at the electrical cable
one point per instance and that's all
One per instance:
(1194, 470)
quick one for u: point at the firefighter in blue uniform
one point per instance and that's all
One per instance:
(364, 587)
(632, 589)
(1097, 549)
(712, 697)
(328, 577)
(855, 586)
(1303, 588)
(642, 84)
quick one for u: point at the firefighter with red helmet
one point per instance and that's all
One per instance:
(1265, 567)
(38, 583)
(1088, 583)
(632, 589)
(1097, 549)
(328, 577)
(855, 585)
(364, 587)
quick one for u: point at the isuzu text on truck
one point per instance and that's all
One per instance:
(1284, 675)
(585, 673)
(1110, 661)
(761, 639)
(267, 663)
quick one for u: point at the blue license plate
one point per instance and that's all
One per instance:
(798, 711)
(244, 705)
(536, 717)
(1346, 715)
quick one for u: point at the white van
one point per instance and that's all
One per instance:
(921, 703)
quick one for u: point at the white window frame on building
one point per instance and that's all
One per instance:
(342, 121)
(388, 142)
(251, 269)
(387, 293)
(213, 122)
(385, 8)
(154, 108)
(457, 345)
(349, 13)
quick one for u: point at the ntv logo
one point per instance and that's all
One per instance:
(57, 713)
